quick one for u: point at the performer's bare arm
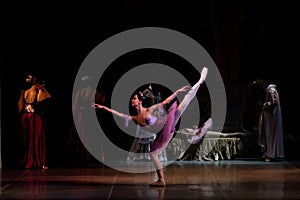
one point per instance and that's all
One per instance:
(172, 96)
(121, 115)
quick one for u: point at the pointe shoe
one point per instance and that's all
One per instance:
(203, 75)
(157, 184)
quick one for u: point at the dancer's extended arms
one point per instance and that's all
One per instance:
(172, 97)
(121, 115)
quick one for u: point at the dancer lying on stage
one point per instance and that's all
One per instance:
(157, 120)
(197, 134)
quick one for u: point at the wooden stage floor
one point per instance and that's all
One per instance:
(224, 179)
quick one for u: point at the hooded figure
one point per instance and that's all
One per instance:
(270, 126)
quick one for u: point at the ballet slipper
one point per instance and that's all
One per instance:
(203, 75)
(158, 184)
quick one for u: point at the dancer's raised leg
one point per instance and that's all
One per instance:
(189, 96)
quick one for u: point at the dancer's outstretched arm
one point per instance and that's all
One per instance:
(171, 97)
(121, 115)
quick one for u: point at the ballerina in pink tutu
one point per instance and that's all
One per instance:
(161, 119)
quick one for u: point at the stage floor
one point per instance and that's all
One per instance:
(224, 179)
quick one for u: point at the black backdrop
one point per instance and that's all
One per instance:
(247, 40)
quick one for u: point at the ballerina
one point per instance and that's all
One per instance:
(160, 120)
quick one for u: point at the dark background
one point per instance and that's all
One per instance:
(247, 39)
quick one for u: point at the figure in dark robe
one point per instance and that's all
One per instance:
(270, 126)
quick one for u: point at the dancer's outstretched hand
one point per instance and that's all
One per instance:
(184, 89)
(95, 105)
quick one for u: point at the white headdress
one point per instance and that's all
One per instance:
(271, 87)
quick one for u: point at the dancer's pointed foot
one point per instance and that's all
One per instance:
(195, 139)
(158, 183)
(203, 75)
